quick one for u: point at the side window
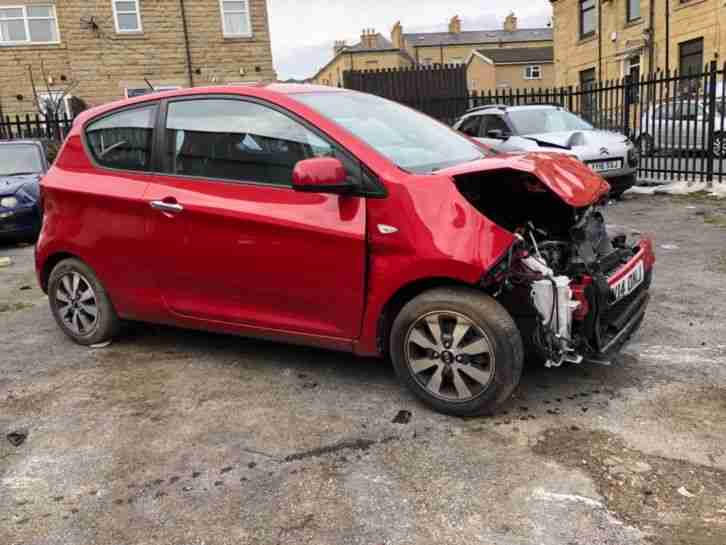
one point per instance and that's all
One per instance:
(493, 123)
(236, 140)
(667, 111)
(123, 140)
(470, 125)
(690, 111)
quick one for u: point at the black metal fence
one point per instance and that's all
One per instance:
(429, 88)
(35, 126)
(676, 119)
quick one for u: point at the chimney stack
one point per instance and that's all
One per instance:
(397, 36)
(368, 38)
(338, 46)
(455, 25)
(510, 23)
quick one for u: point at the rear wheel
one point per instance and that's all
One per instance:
(458, 350)
(719, 145)
(80, 304)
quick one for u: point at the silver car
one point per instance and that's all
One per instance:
(553, 128)
(681, 124)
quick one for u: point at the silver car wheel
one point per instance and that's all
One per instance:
(450, 356)
(76, 303)
(719, 146)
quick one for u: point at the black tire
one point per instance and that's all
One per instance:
(489, 319)
(103, 326)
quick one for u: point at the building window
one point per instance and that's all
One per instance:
(587, 97)
(236, 18)
(428, 61)
(588, 18)
(533, 72)
(372, 63)
(690, 56)
(126, 16)
(28, 24)
(633, 70)
(633, 10)
(131, 92)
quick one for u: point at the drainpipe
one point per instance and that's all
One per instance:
(651, 36)
(599, 40)
(667, 35)
(188, 50)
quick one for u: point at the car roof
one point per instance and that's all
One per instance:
(507, 108)
(259, 90)
(25, 141)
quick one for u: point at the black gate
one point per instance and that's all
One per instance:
(426, 88)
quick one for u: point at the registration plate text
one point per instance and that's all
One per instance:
(600, 166)
(625, 286)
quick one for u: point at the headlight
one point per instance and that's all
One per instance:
(9, 202)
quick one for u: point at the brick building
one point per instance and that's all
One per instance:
(105, 49)
(374, 51)
(607, 39)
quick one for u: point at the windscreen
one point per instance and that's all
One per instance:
(20, 159)
(412, 140)
(539, 121)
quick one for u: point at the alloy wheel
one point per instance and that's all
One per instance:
(76, 303)
(450, 356)
(719, 146)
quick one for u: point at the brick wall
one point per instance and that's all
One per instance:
(104, 62)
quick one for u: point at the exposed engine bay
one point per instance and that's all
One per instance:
(576, 288)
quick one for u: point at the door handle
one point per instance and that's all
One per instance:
(169, 207)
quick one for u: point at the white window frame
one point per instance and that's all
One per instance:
(54, 95)
(26, 20)
(528, 71)
(222, 13)
(137, 12)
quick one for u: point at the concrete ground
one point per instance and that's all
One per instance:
(183, 438)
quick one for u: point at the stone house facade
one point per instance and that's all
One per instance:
(374, 51)
(608, 39)
(510, 68)
(107, 49)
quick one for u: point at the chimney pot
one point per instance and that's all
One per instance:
(510, 23)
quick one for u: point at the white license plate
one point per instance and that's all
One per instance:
(625, 286)
(600, 166)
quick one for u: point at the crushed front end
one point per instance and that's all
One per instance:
(577, 288)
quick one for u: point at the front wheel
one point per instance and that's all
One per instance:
(80, 304)
(458, 350)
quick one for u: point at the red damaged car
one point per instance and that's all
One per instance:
(337, 219)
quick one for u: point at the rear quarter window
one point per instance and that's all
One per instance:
(123, 140)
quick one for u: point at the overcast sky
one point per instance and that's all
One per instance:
(303, 31)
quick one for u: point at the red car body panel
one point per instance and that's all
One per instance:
(269, 261)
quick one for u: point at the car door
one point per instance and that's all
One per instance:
(233, 242)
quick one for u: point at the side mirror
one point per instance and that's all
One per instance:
(320, 175)
(498, 134)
